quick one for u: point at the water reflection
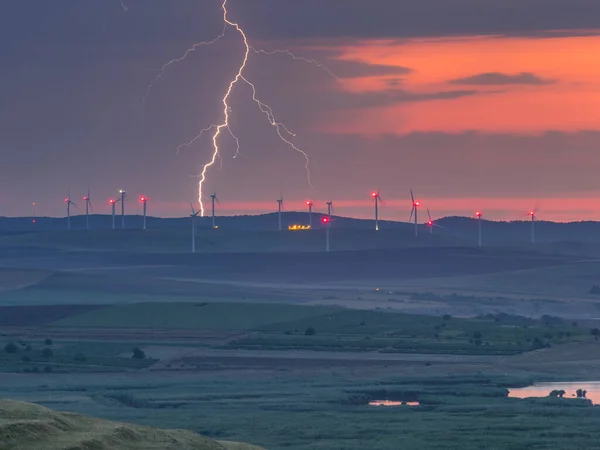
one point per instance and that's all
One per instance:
(391, 403)
(592, 389)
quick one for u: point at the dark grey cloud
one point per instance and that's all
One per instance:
(409, 18)
(366, 100)
(355, 69)
(501, 79)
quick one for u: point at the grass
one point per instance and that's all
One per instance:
(199, 316)
(71, 357)
(330, 412)
(285, 327)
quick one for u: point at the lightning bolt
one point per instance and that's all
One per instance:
(218, 129)
(297, 58)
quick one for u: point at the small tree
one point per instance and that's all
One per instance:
(138, 353)
(310, 331)
(581, 393)
(47, 353)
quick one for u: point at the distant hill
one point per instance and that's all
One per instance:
(25, 426)
(456, 230)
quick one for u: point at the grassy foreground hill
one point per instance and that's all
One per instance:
(25, 426)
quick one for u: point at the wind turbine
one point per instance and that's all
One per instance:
(309, 203)
(376, 197)
(193, 216)
(414, 212)
(144, 201)
(280, 208)
(479, 215)
(326, 221)
(214, 199)
(69, 202)
(532, 214)
(329, 209)
(122, 192)
(113, 203)
(88, 204)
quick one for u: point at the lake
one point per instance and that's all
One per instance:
(391, 403)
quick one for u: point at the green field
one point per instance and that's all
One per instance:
(199, 316)
(331, 412)
(287, 327)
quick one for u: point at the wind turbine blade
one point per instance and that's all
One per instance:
(91, 206)
(193, 210)
(429, 215)
(412, 211)
(412, 196)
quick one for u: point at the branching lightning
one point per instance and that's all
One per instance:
(282, 131)
(297, 58)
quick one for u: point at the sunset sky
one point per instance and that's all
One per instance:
(474, 104)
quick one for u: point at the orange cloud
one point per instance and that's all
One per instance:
(570, 102)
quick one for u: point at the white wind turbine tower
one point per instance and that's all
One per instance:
(88, 204)
(113, 204)
(279, 209)
(309, 203)
(122, 192)
(329, 209)
(144, 201)
(532, 214)
(193, 216)
(479, 216)
(376, 197)
(414, 212)
(69, 202)
(214, 199)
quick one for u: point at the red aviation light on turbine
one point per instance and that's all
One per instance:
(111, 201)
(375, 194)
(417, 204)
(532, 213)
(66, 200)
(309, 203)
(325, 220)
(143, 199)
(478, 214)
(430, 223)
(86, 198)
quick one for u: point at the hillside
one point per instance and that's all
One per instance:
(25, 426)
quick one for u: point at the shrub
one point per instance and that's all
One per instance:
(138, 353)
(10, 348)
(47, 353)
(310, 331)
(48, 341)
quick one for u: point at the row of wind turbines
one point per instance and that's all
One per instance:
(326, 220)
